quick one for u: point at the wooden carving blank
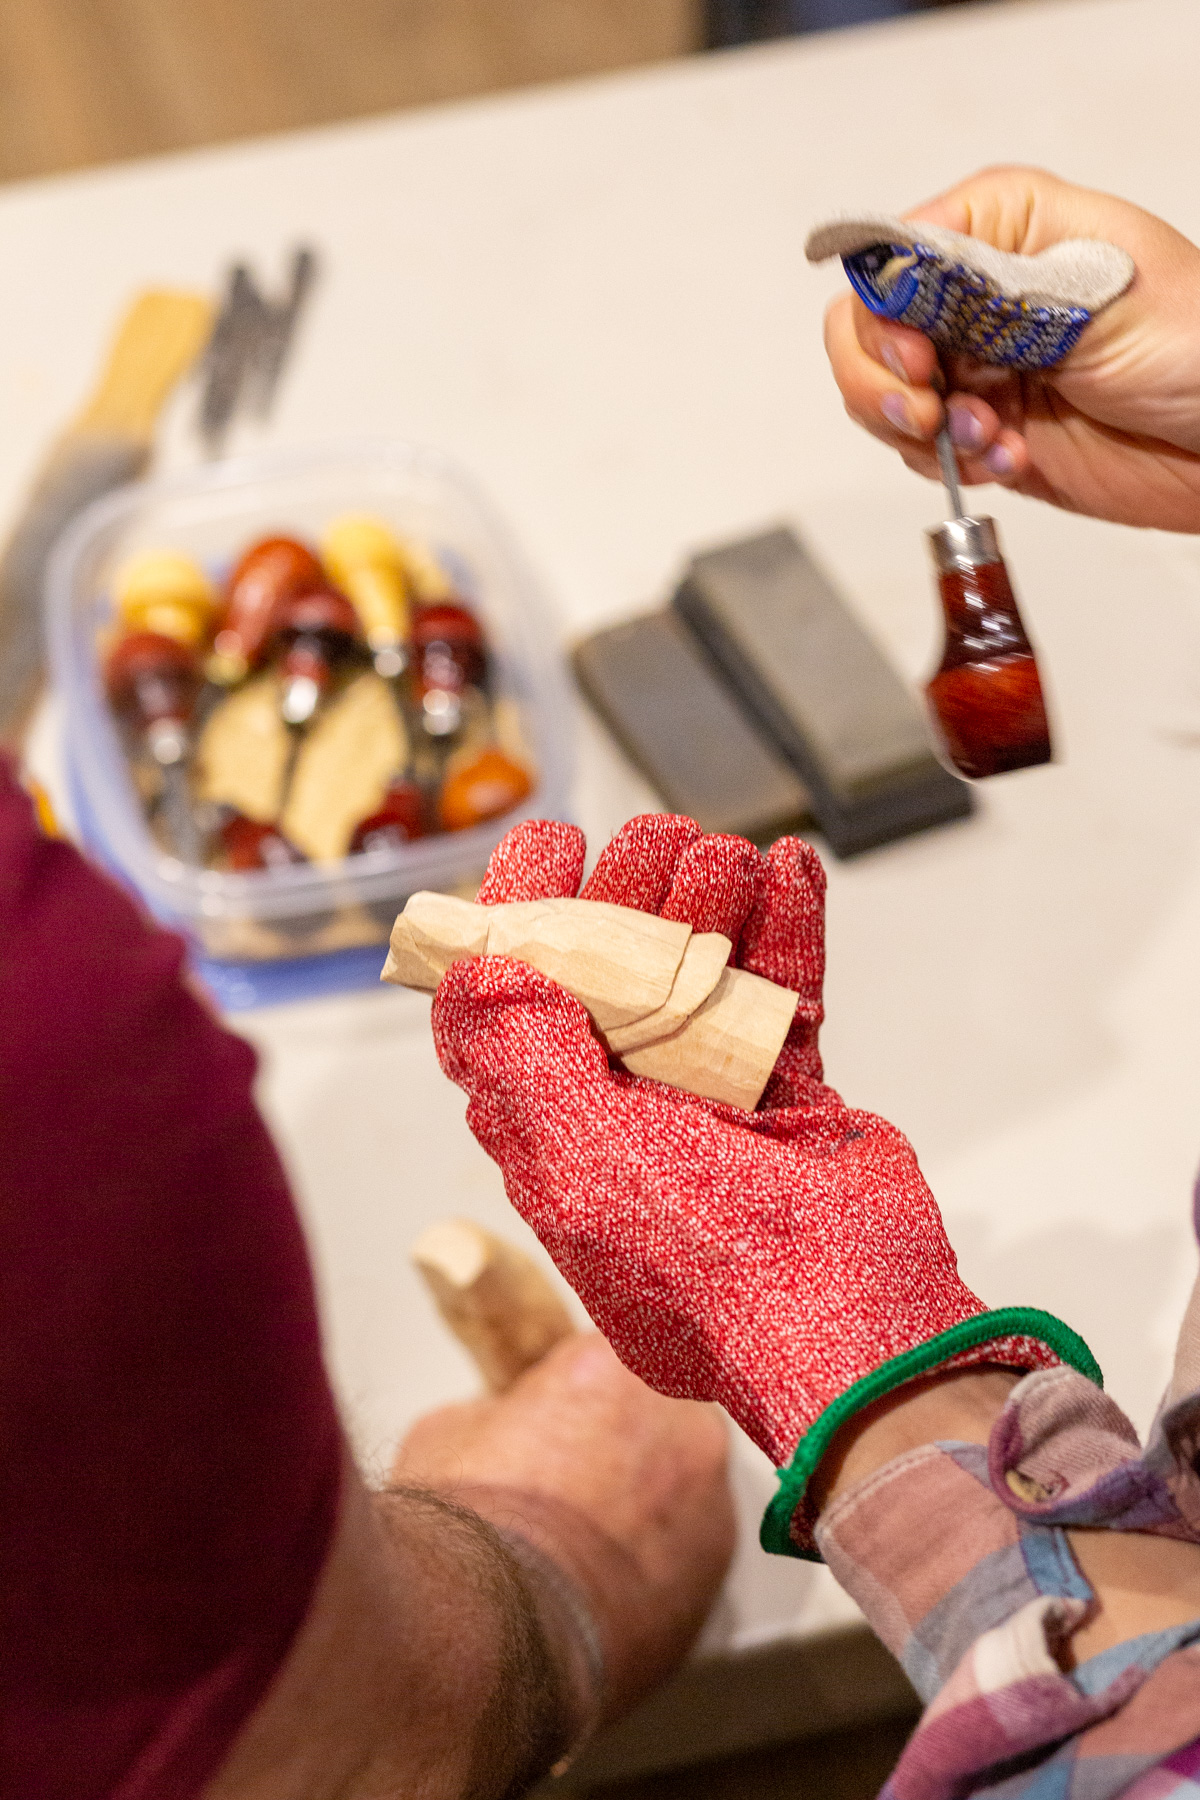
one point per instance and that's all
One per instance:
(664, 1001)
(704, 960)
(244, 751)
(496, 1301)
(622, 964)
(344, 766)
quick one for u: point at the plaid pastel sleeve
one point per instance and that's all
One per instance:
(959, 1557)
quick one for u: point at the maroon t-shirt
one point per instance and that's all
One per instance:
(169, 1448)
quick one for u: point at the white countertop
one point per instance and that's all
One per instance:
(595, 297)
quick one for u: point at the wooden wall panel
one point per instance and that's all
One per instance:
(87, 81)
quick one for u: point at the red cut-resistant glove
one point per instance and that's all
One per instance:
(788, 1262)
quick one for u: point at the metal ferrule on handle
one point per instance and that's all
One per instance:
(964, 544)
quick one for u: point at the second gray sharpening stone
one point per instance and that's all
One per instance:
(680, 723)
(821, 690)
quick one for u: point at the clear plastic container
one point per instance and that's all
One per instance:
(280, 933)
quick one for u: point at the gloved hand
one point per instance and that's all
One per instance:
(788, 1262)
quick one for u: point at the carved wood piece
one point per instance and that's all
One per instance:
(704, 958)
(622, 964)
(724, 1027)
(727, 1048)
(433, 931)
(496, 1300)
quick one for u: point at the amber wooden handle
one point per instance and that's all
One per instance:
(157, 342)
(496, 1300)
(985, 697)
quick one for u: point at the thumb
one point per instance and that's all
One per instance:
(504, 1030)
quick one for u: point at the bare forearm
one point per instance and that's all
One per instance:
(544, 1558)
(424, 1668)
(493, 1606)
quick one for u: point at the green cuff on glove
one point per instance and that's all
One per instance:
(1010, 1321)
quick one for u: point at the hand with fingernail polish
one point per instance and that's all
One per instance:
(789, 1262)
(1113, 430)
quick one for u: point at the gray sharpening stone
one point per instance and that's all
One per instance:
(659, 695)
(818, 687)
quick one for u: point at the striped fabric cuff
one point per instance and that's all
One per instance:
(1017, 1336)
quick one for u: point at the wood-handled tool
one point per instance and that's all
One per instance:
(662, 997)
(985, 696)
(160, 338)
(496, 1300)
(1008, 311)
